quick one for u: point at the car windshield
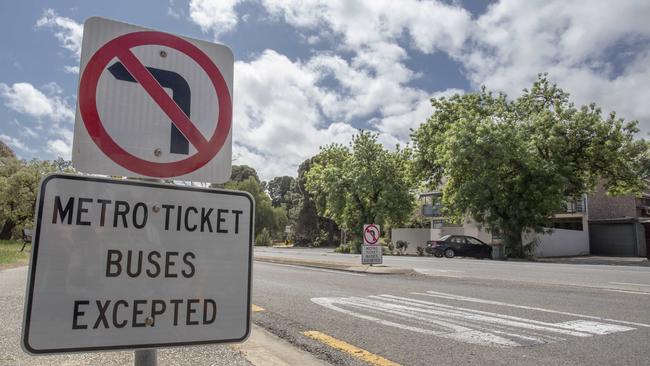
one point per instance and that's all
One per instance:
(444, 238)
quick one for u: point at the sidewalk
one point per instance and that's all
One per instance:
(376, 269)
(593, 259)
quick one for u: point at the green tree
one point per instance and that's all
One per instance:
(281, 189)
(510, 165)
(308, 225)
(5, 151)
(19, 182)
(273, 219)
(241, 173)
(362, 184)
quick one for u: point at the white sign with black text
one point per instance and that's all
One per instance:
(121, 264)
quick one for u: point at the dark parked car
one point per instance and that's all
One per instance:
(463, 245)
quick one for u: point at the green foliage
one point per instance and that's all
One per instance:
(401, 246)
(10, 254)
(420, 250)
(281, 191)
(362, 184)
(19, 181)
(355, 246)
(511, 164)
(343, 248)
(308, 223)
(266, 217)
(263, 238)
(5, 151)
(241, 173)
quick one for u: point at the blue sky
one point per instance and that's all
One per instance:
(311, 72)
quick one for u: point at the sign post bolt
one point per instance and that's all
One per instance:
(157, 152)
(163, 53)
(156, 208)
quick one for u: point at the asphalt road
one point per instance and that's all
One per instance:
(423, 320)
(620, 278)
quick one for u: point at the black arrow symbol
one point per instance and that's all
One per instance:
(180, 94)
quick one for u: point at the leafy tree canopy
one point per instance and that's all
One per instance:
(360, 184)
(19, 181)
(5, 151)
(241, 173)
(510, 165)
(280, 189)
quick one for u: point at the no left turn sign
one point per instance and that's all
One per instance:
(371, 234)
(153, 104)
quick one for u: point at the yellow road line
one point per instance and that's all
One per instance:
(256, 308)
(357, 352)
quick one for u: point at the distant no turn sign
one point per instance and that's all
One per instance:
(371, 234)
(152, 104)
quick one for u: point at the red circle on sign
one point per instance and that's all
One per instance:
(96, 130)
(373, 238)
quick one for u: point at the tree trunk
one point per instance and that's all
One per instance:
(514, 244)
(7, 229)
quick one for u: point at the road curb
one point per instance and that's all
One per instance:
(264, 348)
(379, 269)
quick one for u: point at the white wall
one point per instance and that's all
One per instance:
(561, 242)
(415, 238)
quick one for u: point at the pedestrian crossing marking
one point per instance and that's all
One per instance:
(464, 324)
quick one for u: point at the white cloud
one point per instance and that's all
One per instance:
(278, 127)
(25, 98)
(218, 16)
(598, 53)
(400, 125)
(67, 31)
(71, 69)
(432, 25)
(59, 148)
(15, 143)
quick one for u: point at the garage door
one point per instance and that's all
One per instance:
(612, 239)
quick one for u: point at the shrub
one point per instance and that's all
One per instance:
(263, 239)
(355, 246)
(343, 248)
(420, 250)
(401, 246)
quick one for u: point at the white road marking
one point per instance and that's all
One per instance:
(629, 284)
(316, 269)
(627, 291)
(490, 302)
(463, 324)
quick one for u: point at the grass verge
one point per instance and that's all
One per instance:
(10, 254)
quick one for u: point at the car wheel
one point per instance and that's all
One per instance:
(449, 253)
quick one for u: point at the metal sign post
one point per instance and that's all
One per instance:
(146, 357)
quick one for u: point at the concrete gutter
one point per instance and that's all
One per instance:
(376, 269)
(264, 348)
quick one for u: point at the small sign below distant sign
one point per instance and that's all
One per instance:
(121, 264)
